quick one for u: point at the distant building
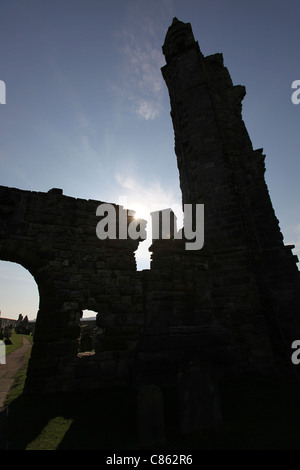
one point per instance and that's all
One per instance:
(7, 322)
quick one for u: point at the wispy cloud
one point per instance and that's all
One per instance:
(147, 109)
(152, 195)
(142, 83)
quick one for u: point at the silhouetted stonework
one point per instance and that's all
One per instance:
(54, 237)
(231, 308)
(255, 283)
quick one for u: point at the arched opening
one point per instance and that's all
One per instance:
(53, 336)
(88, 315)
(88, 331)
(19, 292)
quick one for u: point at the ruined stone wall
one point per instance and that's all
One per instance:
(150, 324)
(179, 326)
(54, 237)
(230, 308)
(254, 277)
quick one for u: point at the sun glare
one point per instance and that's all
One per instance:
(141, 212)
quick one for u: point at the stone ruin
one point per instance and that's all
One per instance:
(230, 309)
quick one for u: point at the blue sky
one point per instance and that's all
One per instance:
(87, 109)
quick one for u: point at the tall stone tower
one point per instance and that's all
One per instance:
(254, 276)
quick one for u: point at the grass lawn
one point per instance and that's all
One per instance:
(257, 415)
(17, 341)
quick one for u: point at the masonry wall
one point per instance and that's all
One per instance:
(231, 308)
(254, 277)
(54, 237)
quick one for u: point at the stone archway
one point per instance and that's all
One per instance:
(54, 237)
(50, 324)
(20, 254)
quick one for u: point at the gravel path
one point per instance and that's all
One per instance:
(13, 363)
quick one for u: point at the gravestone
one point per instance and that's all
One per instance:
(2, 352)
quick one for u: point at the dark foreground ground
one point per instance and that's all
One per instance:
(257, 416)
